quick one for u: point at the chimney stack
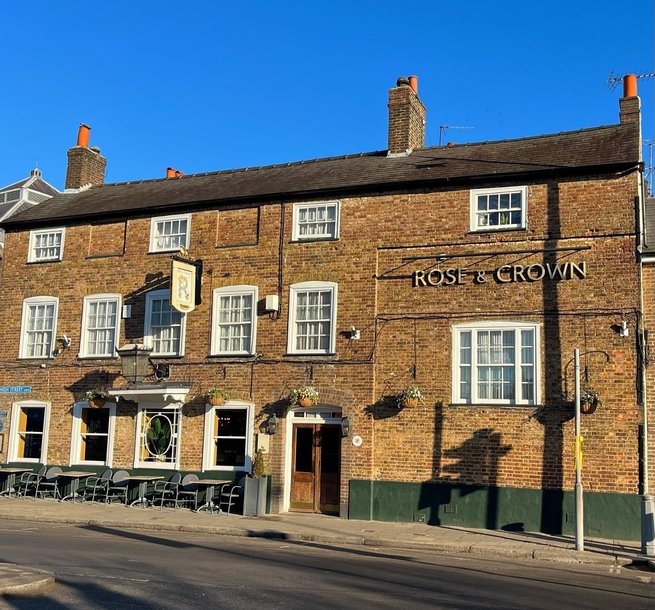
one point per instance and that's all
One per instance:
(406, 117)
(86, 166)
(629, 104)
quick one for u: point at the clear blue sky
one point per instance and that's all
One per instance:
(205, 85)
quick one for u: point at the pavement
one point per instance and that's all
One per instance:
(310, 528)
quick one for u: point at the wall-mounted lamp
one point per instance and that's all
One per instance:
(624, 331)
(346, 427)
(354, 333)
(271, 426)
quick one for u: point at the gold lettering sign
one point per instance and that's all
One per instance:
(503, 275)
(183, 286)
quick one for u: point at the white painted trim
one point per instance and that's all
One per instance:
(294, 289)
(12, 449)
(233, 291)
(76, 435)
(34, 233)
(153, 225)
(137, 444)
(45, 300)
(295, 233)
(288, 443)
(208, 438)
(496, 325)
(147, 336)
(91, 298)
(474, 193)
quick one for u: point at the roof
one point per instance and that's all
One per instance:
(33, 182)
(606, 148)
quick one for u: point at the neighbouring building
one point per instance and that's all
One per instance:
(23, 195)
(470, 272)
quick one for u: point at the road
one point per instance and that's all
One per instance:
(103, 567)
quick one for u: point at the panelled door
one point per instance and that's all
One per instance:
(315, 469)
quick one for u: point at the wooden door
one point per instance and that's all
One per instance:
(316, 468)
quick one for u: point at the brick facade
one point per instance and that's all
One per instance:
(583, 222)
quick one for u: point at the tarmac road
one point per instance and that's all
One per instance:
(106, 567)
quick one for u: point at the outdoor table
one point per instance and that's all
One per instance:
(143, 481)
(74, 476)
(10, 480)
(209, 484)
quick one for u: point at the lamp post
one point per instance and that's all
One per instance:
(135, 361)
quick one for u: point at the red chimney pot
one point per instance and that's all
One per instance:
(83, 135)
(630, 85)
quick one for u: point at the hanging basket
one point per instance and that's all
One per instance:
(410, 403)
(306, 402)
(97, 403)
(589, 407)
(216, 401)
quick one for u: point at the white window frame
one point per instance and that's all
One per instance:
(230, 291)
(98, 298)
(297, 207)
(475, 215)
(208, 457)
(76, 438)
(473, 327)
(12, 450)
(302, 287)
(27, 303)
(147, 330)
(31, 253)
(163, 219)
(175, 412)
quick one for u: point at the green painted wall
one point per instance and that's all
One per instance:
(607, 515)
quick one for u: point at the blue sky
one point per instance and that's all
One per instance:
(207, 85)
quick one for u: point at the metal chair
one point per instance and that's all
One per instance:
(187, 491)
(48, 484)
(166, 491)
(97, 485)
(231, 495)
(117, 487)
(28, 481)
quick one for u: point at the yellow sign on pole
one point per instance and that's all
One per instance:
(578, 452)
(183, 286)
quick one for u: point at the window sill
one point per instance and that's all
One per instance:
(310, 355)
(85, 357)
(312, 239)
(492, 405)
(496, 230)
(227, 356)
(50, 260)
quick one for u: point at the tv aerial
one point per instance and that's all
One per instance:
(613, 81)
(444, 128)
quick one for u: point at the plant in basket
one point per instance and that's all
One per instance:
(305, 396)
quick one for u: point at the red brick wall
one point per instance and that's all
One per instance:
(401, 327)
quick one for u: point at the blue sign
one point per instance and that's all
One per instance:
(2, 426)
(4, 414)
(15, 389)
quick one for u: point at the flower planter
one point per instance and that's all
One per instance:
(306, 402)
(216, 401)
(97, 403)
(410, 403)
(588, 407)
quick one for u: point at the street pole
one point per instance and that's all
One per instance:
(579, 505)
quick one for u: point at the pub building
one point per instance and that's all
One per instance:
(317, 296)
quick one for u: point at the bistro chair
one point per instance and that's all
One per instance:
(187, 491)
(166, 491)
(98, 485)
(117, 487)
(231, 495)
(48, 483)
(29, 480)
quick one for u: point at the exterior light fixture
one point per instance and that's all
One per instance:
(346, 427)
(271, 426)
(624, 331)
(135, 362)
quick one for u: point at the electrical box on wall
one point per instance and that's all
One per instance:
(263, 442)
(127, 311)
(271, 302)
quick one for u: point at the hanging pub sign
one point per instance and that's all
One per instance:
(183, 285)
(502, 275)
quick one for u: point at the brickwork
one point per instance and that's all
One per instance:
(85, 166)
(406, 120)
(406, 331)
